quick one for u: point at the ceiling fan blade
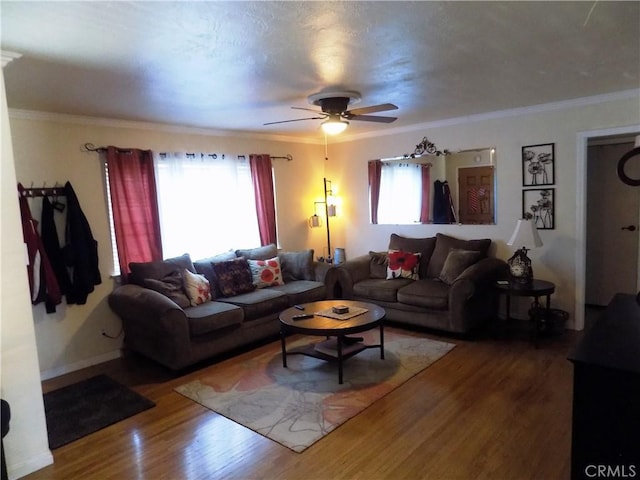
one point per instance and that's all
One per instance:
(308, 110)
(372, 109)
(372, 118)
(295, 120)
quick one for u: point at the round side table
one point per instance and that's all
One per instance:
(535, 290)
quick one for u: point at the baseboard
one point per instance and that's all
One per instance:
(34, 464)
(72, 367)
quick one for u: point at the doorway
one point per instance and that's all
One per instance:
(613, 212)
(582, 212)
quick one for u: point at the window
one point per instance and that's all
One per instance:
(206, 204)
(400, 193)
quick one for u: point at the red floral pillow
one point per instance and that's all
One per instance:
(266, 273)
(197, 287)
(403, 265)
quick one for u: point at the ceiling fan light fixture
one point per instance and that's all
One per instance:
(334, 126)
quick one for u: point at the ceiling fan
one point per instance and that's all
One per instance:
(334, 111)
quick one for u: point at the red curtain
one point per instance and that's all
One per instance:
(132, 185)
(375, 173)
(262, 177)
(426, 193)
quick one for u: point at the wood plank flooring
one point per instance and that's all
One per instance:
(493, 408)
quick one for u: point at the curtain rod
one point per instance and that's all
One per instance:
(90, 147)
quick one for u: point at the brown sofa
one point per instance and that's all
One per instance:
(162, 327)
(454, 290)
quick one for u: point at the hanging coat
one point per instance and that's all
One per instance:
(443, 211)
(80, 251)
(49, 234)
(42, 280)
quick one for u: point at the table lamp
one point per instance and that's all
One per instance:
(525, 234)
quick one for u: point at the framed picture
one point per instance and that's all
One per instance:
(538, 164)
(538, 205)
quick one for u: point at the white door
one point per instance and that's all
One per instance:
(613, 211)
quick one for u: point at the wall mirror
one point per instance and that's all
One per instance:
(449, 188)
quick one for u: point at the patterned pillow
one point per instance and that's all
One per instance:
(170, 286)
(403, 265)
(266, 273)
(197, 287)
(234, 277)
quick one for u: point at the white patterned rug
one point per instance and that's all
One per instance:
(298, 405)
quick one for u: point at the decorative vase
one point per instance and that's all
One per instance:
(339, 256)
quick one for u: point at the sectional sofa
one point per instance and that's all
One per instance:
(178, 312)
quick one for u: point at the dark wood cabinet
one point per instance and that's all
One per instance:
(606, 395)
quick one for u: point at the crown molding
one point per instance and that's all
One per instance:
(314, 140)
(499, 114)
(163, 127)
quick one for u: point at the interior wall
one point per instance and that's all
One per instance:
(48, 149)
(508, 133)
(26, 444)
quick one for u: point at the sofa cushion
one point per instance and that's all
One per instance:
(457, 262)
(297, 265)
(233, 277)
(445, 243)
(403, 265)
(378, 264)
(260, 302)
(205, 267)
(423, 246)
(212, 316)
(171, 286)
(159, 269)
(197, 287)
(426, 293)
(303, 291)
(266, 273)
(259, 253)
(380, 289)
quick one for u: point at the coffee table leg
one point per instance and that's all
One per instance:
(284, 348)
(381, 341)
(339, 341)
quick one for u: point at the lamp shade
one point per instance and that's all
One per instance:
(334, 126)
(525, 235)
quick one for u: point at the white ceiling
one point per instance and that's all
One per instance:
(237, 65)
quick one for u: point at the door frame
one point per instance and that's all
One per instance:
(581, 211)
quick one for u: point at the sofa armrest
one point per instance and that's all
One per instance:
(352, 272)
(472, 295)
(154, 325)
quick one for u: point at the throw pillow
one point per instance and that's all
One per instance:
(197, 287)
(170, 286)
(403, 265)
(158, 269)
(457, 262)
(266, 273)
(234, 277)
(423, 246)
(378, 264)
(297, 265)
(258, 253)
(444, 243)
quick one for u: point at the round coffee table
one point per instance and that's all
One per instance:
(338, 347)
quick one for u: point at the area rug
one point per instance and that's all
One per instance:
(298, 405)
(85, 407)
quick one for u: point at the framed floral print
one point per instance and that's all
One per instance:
(538, 165)
(538, 206)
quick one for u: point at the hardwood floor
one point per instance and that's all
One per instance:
(494, 408)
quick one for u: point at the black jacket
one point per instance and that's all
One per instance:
(81, 251)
